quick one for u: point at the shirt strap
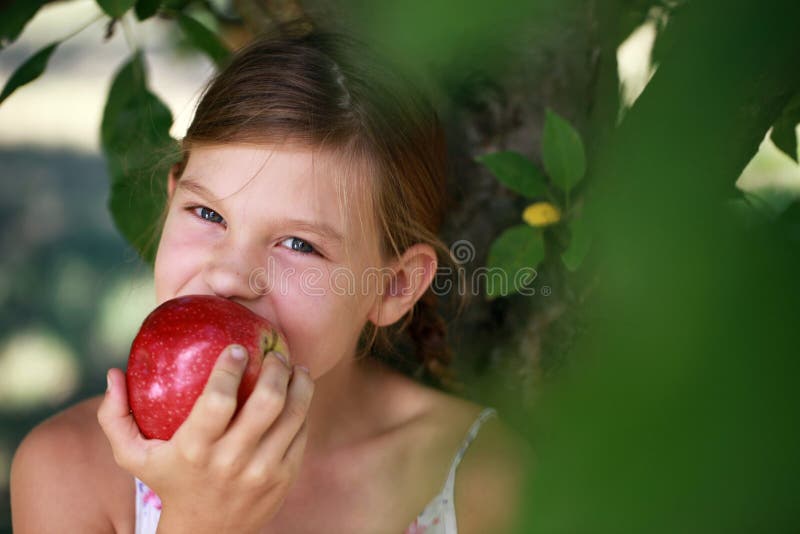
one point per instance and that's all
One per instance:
(485, 414)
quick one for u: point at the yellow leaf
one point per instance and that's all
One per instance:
(541, 214)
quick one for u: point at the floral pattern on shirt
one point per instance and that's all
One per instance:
(149, 497)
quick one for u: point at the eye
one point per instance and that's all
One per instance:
(208, 214)
(299, 245)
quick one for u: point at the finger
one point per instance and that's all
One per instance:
(215, 406)
(262, 407)
(118, 424)
(277, 441)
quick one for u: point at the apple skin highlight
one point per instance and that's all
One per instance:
(175, 350)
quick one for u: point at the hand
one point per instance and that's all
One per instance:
(214, 474)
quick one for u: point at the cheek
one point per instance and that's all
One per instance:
(322, 327)
(175, 260)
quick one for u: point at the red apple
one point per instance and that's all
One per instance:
(175, 350)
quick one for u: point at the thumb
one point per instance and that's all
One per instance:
(117, 422)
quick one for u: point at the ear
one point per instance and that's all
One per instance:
(410, 276)
(172, 181)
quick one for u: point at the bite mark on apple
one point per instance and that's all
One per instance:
(268, 342)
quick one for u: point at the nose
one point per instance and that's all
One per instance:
(229, 270)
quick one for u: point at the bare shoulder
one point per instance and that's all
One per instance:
(489, 482)
(490, 478)
(64, 478)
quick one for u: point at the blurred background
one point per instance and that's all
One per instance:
(73, 291)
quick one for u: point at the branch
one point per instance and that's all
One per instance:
(261, 16)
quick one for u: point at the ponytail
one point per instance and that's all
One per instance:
(428, 332)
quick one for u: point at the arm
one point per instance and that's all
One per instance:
(54, 481)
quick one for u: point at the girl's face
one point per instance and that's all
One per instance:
(263, 227)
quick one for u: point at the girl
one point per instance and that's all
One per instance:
(311, 191)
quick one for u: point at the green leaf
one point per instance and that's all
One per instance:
(139, 152)
(15, 17)
(203, 39)
(115, 8)
(176, 5)
(518, 250)
(562, 152)
(28, 71)
(517, 172)
(579, 243)
(784, 132)
(145, 9)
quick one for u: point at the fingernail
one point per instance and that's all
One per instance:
(238, 352)
(304, 368)
(281, 357)
(108, 381)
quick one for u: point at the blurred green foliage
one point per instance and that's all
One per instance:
(784, 132)
(681, 416)
(28, 71)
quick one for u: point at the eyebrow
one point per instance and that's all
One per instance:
(326, 231)
(196, 187)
